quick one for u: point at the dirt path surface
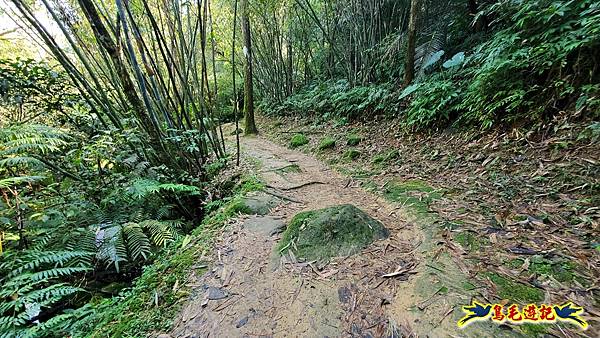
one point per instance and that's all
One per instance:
(250, 291)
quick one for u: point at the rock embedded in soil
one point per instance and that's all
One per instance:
(258, 203)
(335, 231)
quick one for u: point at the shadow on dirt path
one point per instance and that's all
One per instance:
(393, 288)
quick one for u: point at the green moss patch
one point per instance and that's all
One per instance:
(560, 269)
(335, 231)
(514, 291)
(414, 193)
(353, 139)
(326, 143)
(468, 240)
(298, 140)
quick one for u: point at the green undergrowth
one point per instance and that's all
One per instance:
(537, 59)
(298, 140)
(468, 240)
(353, 139)
(386, 158)
(158, 294)
(350, 155)
(327, 142)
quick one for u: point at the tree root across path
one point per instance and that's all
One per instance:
(252, 291)
(296, 186)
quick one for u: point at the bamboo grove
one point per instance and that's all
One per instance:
(144, 65)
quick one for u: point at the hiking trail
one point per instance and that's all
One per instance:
(389, 289)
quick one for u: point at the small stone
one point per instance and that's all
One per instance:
(216, 293)
(344, 294)
(242, 322)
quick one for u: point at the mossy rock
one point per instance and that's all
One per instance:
(335, 231)
(353, 139)
(298, 140)
(255, 203)
(326, 143)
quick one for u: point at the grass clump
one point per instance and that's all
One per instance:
(514, 291)
(327, 142)
(335, 231)
(351, 155)
(386, 157)
(298, 140)
(353, 139)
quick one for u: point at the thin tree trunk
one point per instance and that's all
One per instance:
(409, 69)
(249, 124)
(235, 93)
(107, 43)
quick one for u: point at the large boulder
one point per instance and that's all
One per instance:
(335, 231)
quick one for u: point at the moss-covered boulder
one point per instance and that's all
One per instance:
(335, 231)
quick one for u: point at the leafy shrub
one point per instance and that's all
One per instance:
(336, 99)
(432, 103)
(535, 65)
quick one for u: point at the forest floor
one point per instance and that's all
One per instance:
(498, 219)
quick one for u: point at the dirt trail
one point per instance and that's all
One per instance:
(249, 291)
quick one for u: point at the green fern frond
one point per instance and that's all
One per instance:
(161, 232)
(12, 181)
(27, 161)
(47, 295)
(58, 258)
(53, 273)
(111, 248)
(137, 241)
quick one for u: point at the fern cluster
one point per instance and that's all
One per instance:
(68, 220)
(34, 282)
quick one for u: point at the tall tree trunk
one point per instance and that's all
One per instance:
(409, 68)
(249, 124)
